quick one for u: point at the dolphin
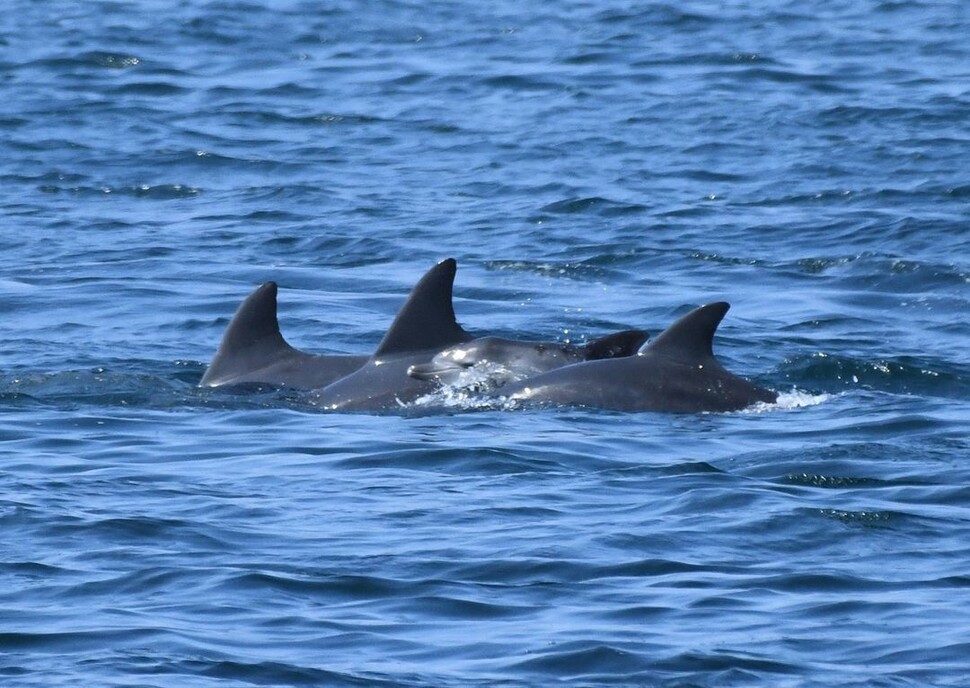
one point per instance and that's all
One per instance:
(502, 361)
(423, 326)
(254, 351)
(676, 373)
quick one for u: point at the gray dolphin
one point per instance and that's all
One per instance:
(254, 351)
(676, 372)
(424, 326)
(502, 361)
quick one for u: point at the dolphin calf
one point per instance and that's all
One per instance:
(423, 326)
(676, 372)
(253, 351)
(508, 360)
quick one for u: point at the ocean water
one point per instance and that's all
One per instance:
(591, 166)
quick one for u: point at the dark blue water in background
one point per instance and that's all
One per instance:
(592, 166)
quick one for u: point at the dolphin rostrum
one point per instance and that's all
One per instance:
(676, 372)
(254, 351)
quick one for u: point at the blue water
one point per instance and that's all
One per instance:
(592, 167)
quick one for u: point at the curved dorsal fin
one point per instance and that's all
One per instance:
(691, 337)
(427, 318)
(253, 335)
(255, 318)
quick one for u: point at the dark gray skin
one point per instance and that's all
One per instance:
(675, 373)
(503, 361)
(424, 326)
(253, 351)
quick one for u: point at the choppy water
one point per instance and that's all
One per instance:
(592, 166)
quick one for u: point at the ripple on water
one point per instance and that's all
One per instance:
(157, 165)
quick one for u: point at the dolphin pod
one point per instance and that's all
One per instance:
(425, 350)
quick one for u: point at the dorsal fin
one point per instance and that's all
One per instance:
(616, 345)
(253, 334)
(255, 318)
(690, 338)
(427, 318)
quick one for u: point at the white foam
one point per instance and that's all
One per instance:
(470, 390)
(790, 400)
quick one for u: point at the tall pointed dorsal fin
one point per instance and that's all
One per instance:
(253, 335)
(690, 338)
(427, 318)
(255, 319)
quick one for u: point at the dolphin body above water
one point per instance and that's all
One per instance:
(253, 351)
(503, 361)
(425, 347)
(423, 326)
(424, 329)
(676, 372)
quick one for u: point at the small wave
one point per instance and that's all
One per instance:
(582, 271)
(517, 82)
(98, 59)
(788, 401)
(904, 375)
(111, 60)
(864, 518)
(161, 192)
(597, 204)
(833, 481)
(149, 88)
(260, 673)
(587, 659)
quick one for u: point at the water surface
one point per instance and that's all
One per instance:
(592, 167)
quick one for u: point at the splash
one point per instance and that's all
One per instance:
(472, 389)
(790, 400)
